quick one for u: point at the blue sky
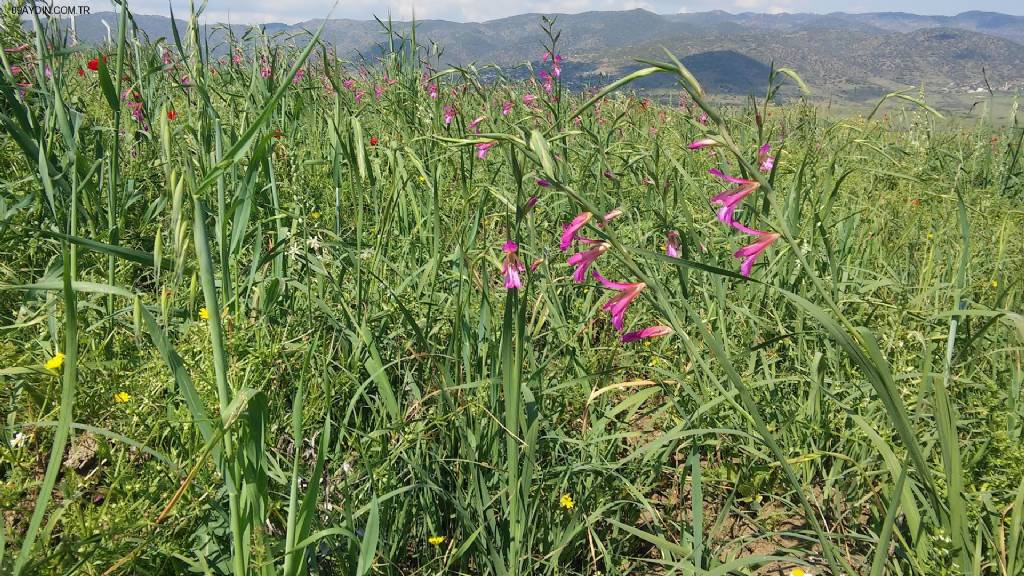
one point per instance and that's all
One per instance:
(291, 11)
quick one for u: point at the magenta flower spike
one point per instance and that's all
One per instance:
(506, 107)
(672, 246)
(649, 332)
(543, 183)
(750, 252)
(432, 91)
(583, 260)
(449, 114)
(618, 304)
(348, 83)
(729, 200)
(512, 265)
(767, 162)
(482, 149)
(569, 231)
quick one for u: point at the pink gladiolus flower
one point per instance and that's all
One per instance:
(750, 252)
(672, 244)
(265, 70)
(649, 332)
(506, 108)
(767, 162)
(543, 183)
(16, 49)
(512, 265)
(535, 264)
(482, 148)
(731, 199)
(348, 83)
(618, 304)
(546, 80)
(702, 143)
(15, 70)
(528, 99)
(449, 114)
(703, 118)
(611, 215)
(570, 230)
(237, 58)
(359, 95)
(185, 81)
(432, 91)
(474, 125)
(530, 203)
(609, 174)
(583, 260)
(378, 91)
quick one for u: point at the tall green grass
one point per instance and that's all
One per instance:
(288, 349)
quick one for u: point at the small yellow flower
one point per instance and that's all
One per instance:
(422, 179)
(566, 502)
(995, 283)
(55, 362)
(930, 235)
(204, 313)
(799, 572)
(436, 540)
(315, 215)
(122, 397)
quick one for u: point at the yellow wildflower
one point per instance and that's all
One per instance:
(204, 313)
(799, 572)
(55, 362)
(566, 502)
(995, 283)
(122, 397)
(315, 215)
(930, 235)
(423, 179)
(436, 540)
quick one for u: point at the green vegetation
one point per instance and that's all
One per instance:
(253, 321)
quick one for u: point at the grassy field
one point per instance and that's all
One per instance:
(265, 312)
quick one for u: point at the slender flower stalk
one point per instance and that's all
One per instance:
(583, 260)
(618, 304)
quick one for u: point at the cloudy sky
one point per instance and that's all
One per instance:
(291, 11)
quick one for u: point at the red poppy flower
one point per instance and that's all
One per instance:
(94, 64)
(373, 141)
(81, 72)
(171, 115)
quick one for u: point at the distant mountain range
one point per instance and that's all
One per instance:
(853, 57)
